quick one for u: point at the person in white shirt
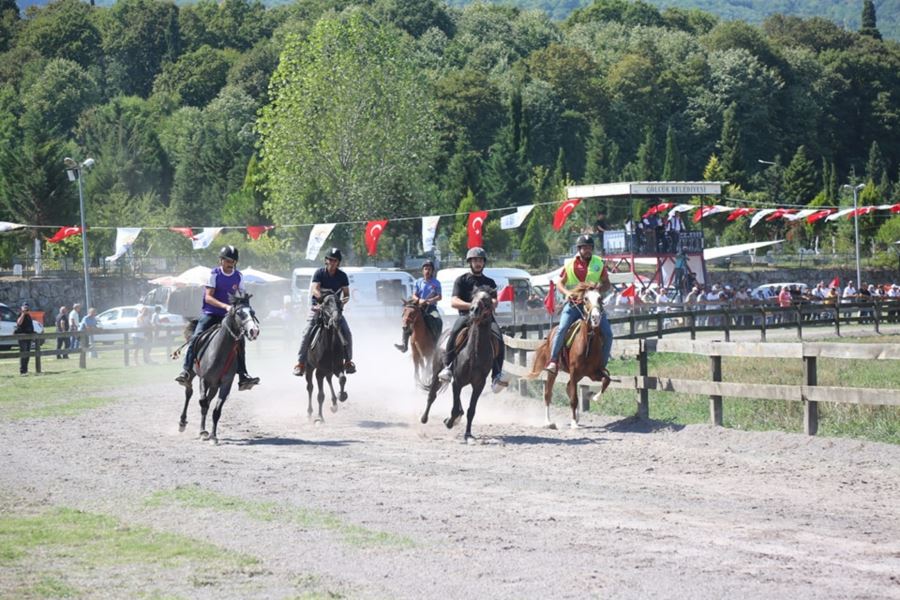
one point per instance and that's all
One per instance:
(74, 324)
(849, 293)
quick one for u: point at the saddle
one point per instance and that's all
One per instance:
(463, 337)
(202, 342)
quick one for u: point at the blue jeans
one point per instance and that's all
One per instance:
(571, 314)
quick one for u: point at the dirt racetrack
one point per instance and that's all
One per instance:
(373, 504)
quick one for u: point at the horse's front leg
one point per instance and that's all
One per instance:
(188, 392)
(457, 411)
(320, 396)
(309, 392)
(572, 391)
(334, 407)
(548, 397)
(206, 394)
(224, 389)
(470, 413)
(343, 381)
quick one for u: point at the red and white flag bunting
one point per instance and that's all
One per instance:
(254, 231)
(63, 233)
(374, 229)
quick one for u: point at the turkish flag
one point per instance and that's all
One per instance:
(63, 233)
(629, 291)
(550, 300)
(185, 231)
(507, 294)
(254, 231)
(661, 207)
(895, 208)
(562, 213)
(741, 212)
(816, 216)
(476, 227)
(835, 283)
(374, 229)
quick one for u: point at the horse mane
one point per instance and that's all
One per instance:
(239, 297)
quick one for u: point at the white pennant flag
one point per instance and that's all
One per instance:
(204, 238)
(125, 237)
(317, 237)
(682, 208)
(841, 213)
(7, 226)
(801, 214)
(429, 230)
(513, 220)
(759, 216)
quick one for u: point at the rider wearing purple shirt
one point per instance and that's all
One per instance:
(223, 280)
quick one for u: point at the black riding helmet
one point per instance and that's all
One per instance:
(476, 252)
(428, 263)
(229, 252)
(584, 240)
(335, 253)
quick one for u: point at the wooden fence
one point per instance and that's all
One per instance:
(809, 393)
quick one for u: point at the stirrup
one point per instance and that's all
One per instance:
(299, 369)
(349, 367)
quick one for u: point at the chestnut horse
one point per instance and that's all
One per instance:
(421, 340)
(583, 359)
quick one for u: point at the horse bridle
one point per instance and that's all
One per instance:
(242, 332)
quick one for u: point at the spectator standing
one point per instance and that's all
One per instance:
(143, 338)
(24, 326)
(674, 227)
(62, 326)
(89, 326)
(600, 227)
(74, 325)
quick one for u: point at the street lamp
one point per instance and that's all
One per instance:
(74, 170)
(765, 162)
(856, 189)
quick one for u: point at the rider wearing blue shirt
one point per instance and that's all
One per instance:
(332, 279)
(427, 293)
(223, 281)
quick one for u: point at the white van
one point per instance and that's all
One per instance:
(519, 279)
(374, 292)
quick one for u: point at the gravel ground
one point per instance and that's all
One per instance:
(372, 504)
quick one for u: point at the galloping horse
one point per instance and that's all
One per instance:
(583, 358)
(472, 365)
(216, 366)
(422, 340)
(326, 353)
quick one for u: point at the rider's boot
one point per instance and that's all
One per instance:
(552, 367)
(500, 382)
(446, 374)
(300, 369)
(184, 378)
(245, 382)
(404, 345)
(349, 367)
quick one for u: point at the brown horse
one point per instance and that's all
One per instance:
(583, 359)
(422, 341)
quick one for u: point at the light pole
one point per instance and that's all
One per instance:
(73, 170)
(856, 189)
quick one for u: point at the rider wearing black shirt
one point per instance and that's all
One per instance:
(463, 290)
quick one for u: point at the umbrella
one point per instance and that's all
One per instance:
(194, 276)
(252, 275)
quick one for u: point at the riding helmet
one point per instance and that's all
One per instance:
(585, 240)
(335, 253)
(428, 263)
(476, 252)
(229, 252)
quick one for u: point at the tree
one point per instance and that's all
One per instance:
(647, 159)
(351, 121)
(533, 248)
(800, 179)
(416, 16)
(506, 179)
(459, 235)
(196, 77)
(139, 36)
(63, 29)
(622, 11)
(732, 163)
(673, 168)
(56, 99)
(33, 184)
(869, 24)
(468, 104)
(876, 168)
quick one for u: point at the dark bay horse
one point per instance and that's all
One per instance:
(326, 354)
(583, 359)
(217, 361)
(422, 340)
(472, 365)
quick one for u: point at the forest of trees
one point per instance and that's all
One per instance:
(231, 113)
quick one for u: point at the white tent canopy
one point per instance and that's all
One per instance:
(252, 275)
(196, 276)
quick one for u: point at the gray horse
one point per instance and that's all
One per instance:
(472, 365)
(326, 355)
(217, 354)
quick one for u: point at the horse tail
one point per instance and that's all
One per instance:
(433, 385)
(541, 355)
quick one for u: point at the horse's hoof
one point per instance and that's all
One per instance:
(319, 421)
(215, 440)
(334, 408)
(204, 435)
(471, 440)
(550, 426)
(182, 427)
(343, 397)
(574, 425)
(424, 419)
(451, 421)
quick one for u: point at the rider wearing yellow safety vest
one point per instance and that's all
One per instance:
(584, 267)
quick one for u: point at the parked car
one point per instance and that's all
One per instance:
(125, 317)
(8, 316)
(756, 293)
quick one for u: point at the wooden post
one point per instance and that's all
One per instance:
(837, 320)
(36, 348)
(810, 408)
(585, 398)
(659, 325)
(715, 402)
(693, 325)
(523, 362)
(799, 324)
(876, 314)
(762, 329)
(643, 411)
(125, 348)
(726, 319)
(82, 349)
